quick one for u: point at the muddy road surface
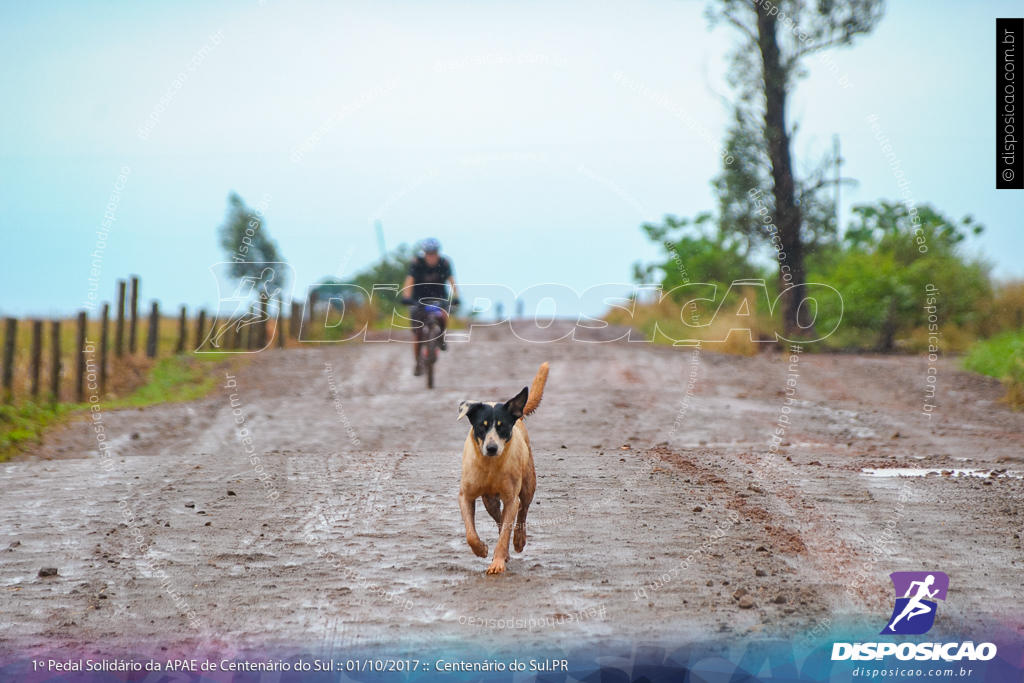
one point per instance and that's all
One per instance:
(630, 488)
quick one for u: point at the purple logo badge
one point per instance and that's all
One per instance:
(915, 608)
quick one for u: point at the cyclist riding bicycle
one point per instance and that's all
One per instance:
(426, 285)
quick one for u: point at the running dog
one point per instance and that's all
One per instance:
(497, 465)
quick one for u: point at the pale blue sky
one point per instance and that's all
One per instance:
(80, 78)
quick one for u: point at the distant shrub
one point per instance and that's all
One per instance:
(1002, 357)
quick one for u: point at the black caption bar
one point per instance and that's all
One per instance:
(1009, 136)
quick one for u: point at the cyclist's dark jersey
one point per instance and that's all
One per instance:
(429, 281)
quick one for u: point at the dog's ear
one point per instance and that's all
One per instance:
(516, 406)
(465, 407)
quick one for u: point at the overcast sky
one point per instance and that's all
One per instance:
(79, 79)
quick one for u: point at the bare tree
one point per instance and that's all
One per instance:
(766, 64)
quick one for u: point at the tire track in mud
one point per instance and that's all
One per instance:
(775, 546)
(795, 528)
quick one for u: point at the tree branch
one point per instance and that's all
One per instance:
(805, 50)
(741, 26)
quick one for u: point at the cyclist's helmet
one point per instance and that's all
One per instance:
(431, 246)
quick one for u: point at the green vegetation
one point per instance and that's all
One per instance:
(996, 357)
(885, 265)
(359, 305)
(1002, 357)
(175, 379)
(698, 252)
(245, 239)
(877, 265)
(23, 424)
(882, 274)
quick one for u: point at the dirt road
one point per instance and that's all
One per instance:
(622, 502)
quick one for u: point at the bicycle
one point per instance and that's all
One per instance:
(430, 334)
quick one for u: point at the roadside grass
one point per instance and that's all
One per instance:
(169, 380)
(175, 379)
(23, 424)
(721, 328)
(1001, 357)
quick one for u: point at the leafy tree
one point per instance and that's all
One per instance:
(245, 239)
(766, 64)
(697, 252)
(890, 254)
(746, 203)
(888, 261)
(390, 270)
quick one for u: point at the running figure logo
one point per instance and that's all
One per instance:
(247, 302)
(914, 613)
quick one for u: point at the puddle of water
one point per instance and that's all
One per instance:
(916, 472)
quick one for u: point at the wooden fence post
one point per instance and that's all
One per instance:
(279, 326)
(10, 337)
(119, 330)
(261, 337)
(250, 339)
(80, 358)
(104, 335)
(55, 361)
(37, 355)
(314, 299)
(200, 324)
(295, 322)
(182, 331)
(133, 312)
(153, 336)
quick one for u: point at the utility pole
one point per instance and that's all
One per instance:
(838, 161)
(380, 240)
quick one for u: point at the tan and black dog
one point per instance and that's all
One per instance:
(497, 465)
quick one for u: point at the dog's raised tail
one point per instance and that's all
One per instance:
(536, 390)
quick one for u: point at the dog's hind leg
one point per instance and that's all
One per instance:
(525, 498)
(519, 539)
(493, 505)
(468, 508)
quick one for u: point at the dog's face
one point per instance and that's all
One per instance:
(493, 422)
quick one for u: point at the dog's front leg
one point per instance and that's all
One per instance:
(508, 520)
(468, 507)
